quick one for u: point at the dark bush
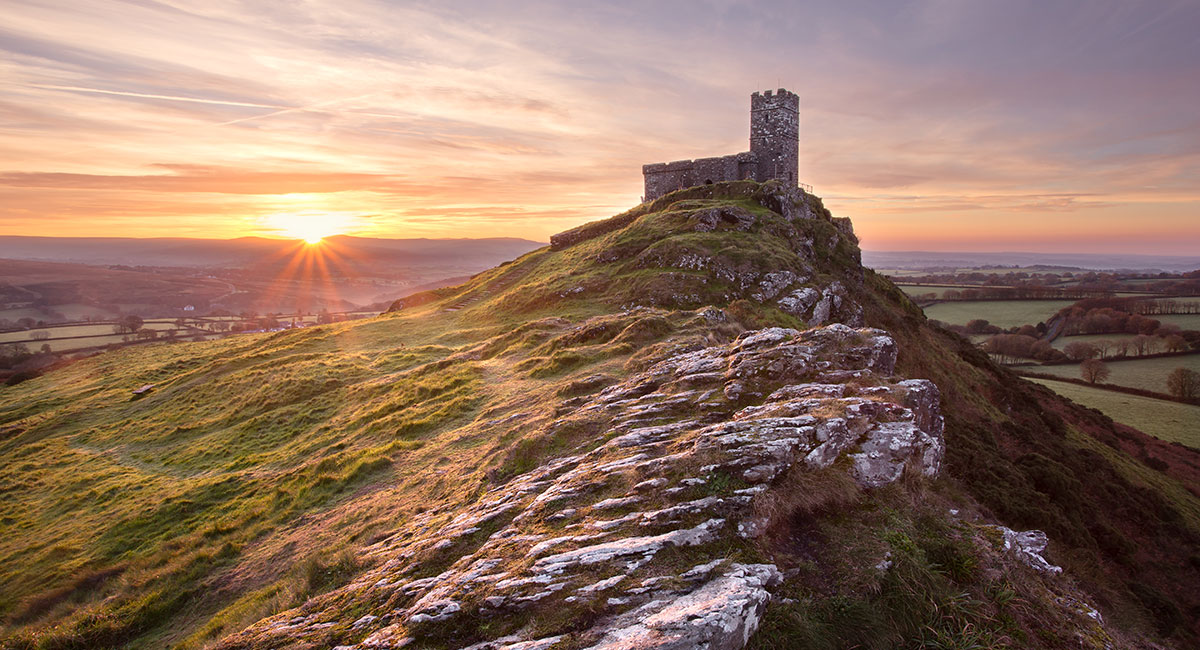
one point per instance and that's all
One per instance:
(22, 375)
(1157, 464)
(1166, 615)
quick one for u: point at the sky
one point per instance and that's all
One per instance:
(943, 125)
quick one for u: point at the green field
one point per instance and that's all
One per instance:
(922, 289)
(66, 338)
(71, 312)
(77, 312)
(69, 338)
(71, 345)
(1001, 313)
(25, 336)
(1146, 374)
(1170, 421)
(303, 318)
(1184, 321)
(17, 314)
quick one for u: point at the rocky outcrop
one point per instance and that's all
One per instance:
(1028, 546)
(720, 614)
(632, 526)
(796, 257)
(820, 306)
(774, 283)
(732, 217)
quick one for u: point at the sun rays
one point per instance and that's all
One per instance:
(314, 265)
(312, 226)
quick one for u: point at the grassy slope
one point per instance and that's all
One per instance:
(1129, 533)
(153, 500)
(246, 481)
(1170, 421)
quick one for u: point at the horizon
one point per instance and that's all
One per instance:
(282, 238)
(270, 237)
(884, 259)
(367, 119)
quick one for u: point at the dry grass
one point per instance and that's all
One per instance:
(803, 492)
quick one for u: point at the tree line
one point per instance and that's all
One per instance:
(1013, 348)
(1027, 292)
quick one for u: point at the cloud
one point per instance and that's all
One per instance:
(521, 118)
(193, 179)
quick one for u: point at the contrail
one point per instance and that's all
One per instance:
(314, 109)
(176, 98)
(311, 108)
(279, 109)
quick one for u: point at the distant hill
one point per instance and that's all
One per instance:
(156, 277)
(253, 251)
(1088, 261)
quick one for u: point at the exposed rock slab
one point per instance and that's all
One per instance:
(692, 442)
(722, 614)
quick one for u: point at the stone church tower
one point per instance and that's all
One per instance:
(775, 135)
(774, 151)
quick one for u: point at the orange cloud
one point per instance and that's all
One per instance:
(446, 120)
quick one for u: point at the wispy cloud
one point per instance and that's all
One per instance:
(921, 119)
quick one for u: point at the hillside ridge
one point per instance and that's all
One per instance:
(702, 423)
(583, 532)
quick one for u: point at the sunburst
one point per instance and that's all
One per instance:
(312, 226)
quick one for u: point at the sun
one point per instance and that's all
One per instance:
(312, 226)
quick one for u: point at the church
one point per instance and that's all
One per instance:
(774, 151)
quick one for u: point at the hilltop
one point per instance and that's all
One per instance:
(700, 423)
